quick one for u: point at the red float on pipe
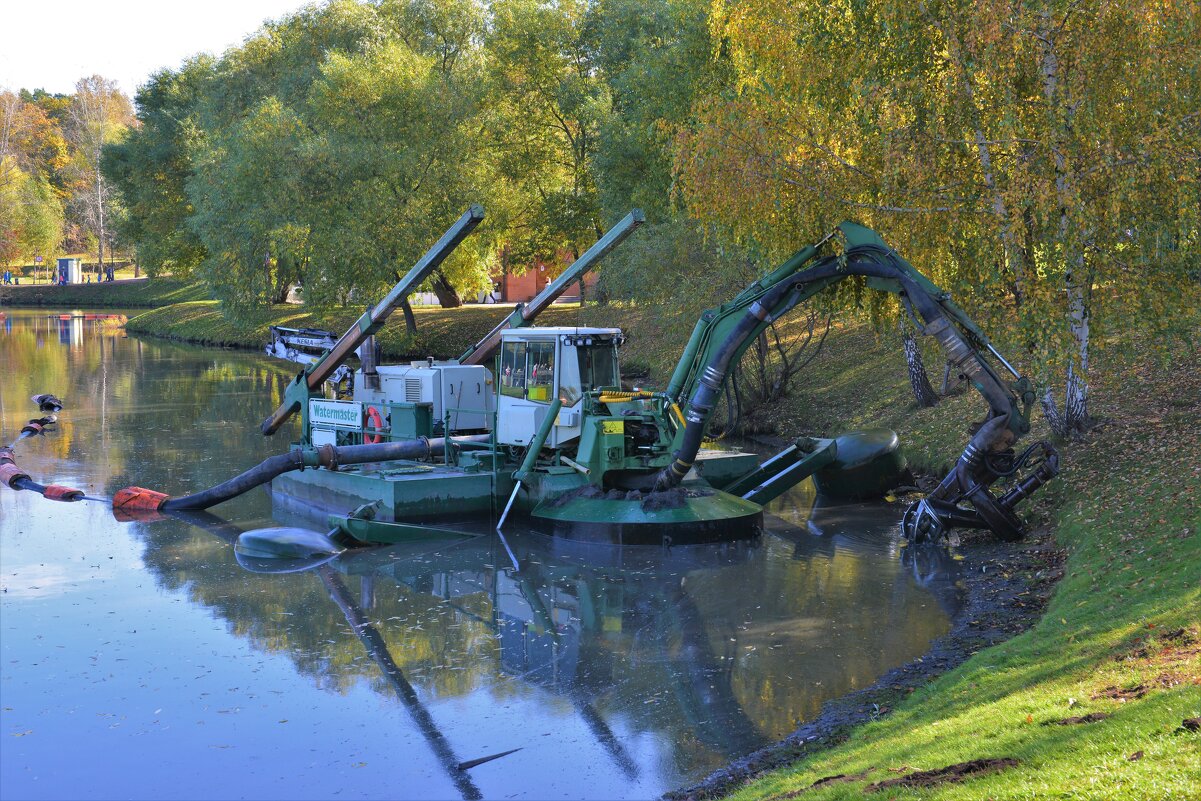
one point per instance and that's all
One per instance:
(9, 475)
(57, 492)
(139, 498)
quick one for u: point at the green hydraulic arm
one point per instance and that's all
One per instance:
(525, 314)
(297, 393)
(716, 324)
(723, 334)
(863, 238)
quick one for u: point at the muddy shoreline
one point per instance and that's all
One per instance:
(1002, 591)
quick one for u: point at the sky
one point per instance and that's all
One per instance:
(50, 44)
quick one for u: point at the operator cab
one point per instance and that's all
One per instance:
(537, 365)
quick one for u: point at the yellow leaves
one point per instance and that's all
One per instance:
(823, 128)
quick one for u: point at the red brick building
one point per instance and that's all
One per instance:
(517, 288)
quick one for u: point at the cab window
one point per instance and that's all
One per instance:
(598, 366)
(540, 371)
(512, 369)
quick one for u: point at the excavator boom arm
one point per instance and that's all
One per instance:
(723, 334)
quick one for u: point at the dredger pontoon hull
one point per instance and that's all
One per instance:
(691, 514)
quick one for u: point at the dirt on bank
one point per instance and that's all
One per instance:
(1003, 590)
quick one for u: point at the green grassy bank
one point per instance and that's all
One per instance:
(133, 293)
(1120, 641)
(442, 333)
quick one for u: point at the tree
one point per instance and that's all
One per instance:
(544, 108)
(150, 165)
(919, 381)
(99, 112)
(654, 59)
(31, 219)
(246, 192)
(325, 149)
(397, 136)
(1039, 157)
(33, 138)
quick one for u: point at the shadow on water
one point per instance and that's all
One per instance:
(643, 668)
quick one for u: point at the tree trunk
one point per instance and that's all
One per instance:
(922, 391)
(282, 280)
(100, 223)
(448, 297)
(1070, 236)
(1076, 392)
(410, 318)
(1055, 420)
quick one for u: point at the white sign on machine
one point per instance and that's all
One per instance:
(326, 417)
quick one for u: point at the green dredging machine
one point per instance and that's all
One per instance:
(548, 431)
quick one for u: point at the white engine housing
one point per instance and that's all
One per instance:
(463, 390)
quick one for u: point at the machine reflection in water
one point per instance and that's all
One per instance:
(579, 620)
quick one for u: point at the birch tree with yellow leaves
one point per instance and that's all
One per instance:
(1042, 157)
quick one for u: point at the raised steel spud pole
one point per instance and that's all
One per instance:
(298, 392)
(524, 315)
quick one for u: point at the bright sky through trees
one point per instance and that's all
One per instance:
(52, 45)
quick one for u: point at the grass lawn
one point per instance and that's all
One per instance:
(442, 333)
(1121, 639)
(115, 294)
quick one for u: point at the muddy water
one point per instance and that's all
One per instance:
(141, 660)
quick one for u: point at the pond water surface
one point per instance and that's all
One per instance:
(140, 660)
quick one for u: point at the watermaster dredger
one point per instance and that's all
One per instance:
(533, 421)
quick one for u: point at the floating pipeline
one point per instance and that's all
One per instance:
(327, 456)
(48, 403)
(140, 503)
(12, 477)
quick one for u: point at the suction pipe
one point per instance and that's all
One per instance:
(327, 456)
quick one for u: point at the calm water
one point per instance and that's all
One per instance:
(140, 660)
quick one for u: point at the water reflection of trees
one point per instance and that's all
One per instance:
(137, 411)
